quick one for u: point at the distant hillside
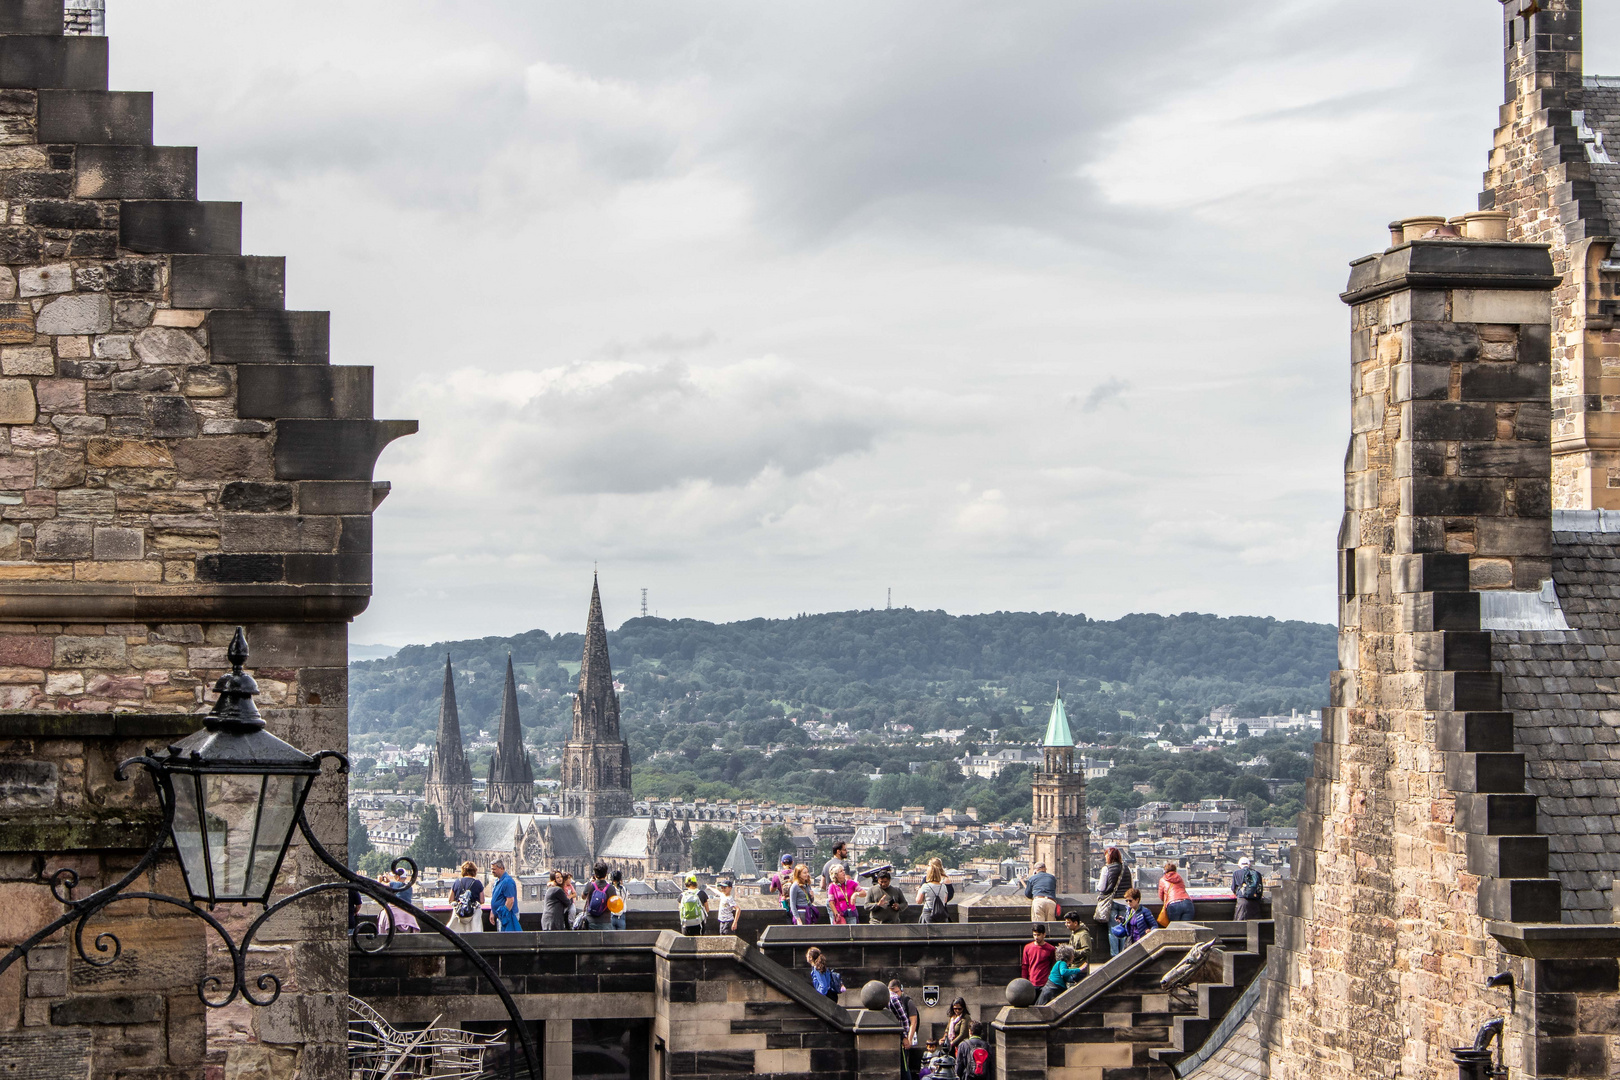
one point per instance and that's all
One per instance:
(688, 682)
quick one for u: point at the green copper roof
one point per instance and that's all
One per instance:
(1057, 728)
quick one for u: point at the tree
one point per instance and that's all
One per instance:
(997, 849)
(374, 863)
(710, 846)
(431, 847)
(925, 846)
(774, 842)
(359, 839)
(1181, 786)
(1247, 785)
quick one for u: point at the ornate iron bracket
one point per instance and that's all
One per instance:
(105, 947)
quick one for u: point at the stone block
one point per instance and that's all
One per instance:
(133, 171)
(17, 402)
(1501, 306)
(84, 313)
(132, 453)
(25, 908)
(1449, 421)
(61, 396)
(27, 360)
(45, 280)
(94, 116)
(251, 497)
(16, 324)
(108, 1009)
(168, 345)
(226, 457)
(63, 540)
(1440, 343)
(303, 390)
(118, 543)
(105, 651)
(227, 281)
(335, 497)
(269, 337)
(54, 62)
(276, 532)
(172, 417)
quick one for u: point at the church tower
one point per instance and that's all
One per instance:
(511, 774)
(1059, 835)
(449, 787)
(596, 761)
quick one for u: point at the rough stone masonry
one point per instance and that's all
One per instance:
(177, 457)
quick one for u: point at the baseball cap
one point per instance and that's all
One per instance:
(787, 860)
(723, 883)
(691, 879)
(1245, 861)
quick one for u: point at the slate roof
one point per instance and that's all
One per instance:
(1601, 97)
(626, 837)
(1564, 689)
(499, 832)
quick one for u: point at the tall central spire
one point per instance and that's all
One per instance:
(596, 761)
(596, 706)
(449, 785)
(511, 774)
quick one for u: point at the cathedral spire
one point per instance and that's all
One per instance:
(449, 763)
(449, 784)
(596, 707)
(511, 775)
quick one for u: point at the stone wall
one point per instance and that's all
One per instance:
(1418, 833)
(177, 458)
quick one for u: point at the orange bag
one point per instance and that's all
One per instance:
(1164, 915)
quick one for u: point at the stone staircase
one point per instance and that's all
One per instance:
(1118, 1025)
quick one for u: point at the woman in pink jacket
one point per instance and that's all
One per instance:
(841, 897)
(1178, 906)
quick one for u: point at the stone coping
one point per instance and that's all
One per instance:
(86, 725)
(1448, 264)
(1557, 941)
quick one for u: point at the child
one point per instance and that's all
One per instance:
(729, 908)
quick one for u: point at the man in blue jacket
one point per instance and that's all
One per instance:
(1041, 889)
(503, 898)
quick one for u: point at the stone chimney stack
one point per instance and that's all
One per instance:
(85, 17)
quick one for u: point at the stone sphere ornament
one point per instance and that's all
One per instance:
(875, 996)
(1021, 993)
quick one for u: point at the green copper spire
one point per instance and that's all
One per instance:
(1057, 728)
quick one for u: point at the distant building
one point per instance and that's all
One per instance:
(1059, 834)
(990, 766)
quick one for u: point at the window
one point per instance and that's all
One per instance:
(611, 1049)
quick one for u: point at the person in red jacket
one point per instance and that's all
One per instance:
(1039, 956)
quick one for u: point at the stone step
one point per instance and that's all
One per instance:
(1508, 856)
(1496, 814)
(95, 116)
(135, 171)
(180, 226)
(277, 391)
(334, 449)
(1451, 650)
(269, 337)
(1463, 691)
(43, 17)
(1467, 772)
(1529, 900)
(1474, 732)
(1187, 1033)
(227, 281)
(37, 62)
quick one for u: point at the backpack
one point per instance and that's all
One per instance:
(1252, 886)
(599, 898)
(691, 909)
(465, 905)
(937, 911)
(979, 1061)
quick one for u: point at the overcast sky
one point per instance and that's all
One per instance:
(771, 307)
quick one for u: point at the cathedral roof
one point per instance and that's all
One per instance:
(1057, 726)
(625, 838)
(510, 763)
(449, 763)
(501, 832)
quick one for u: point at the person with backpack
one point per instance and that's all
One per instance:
(466, 897)
(780, 881)
(693, 908)
(594, 899)
(503, 899)
(934, 894)
(1116, 878)
(616, 919)
(828, 983)
(554, 915)
(802, 897)
(1248, 886)
(973, 1056)
(905, 1011)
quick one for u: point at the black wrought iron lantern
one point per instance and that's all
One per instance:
(235, 791)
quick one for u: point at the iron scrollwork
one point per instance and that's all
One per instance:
(104, 948)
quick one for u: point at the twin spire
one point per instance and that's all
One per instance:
(448, 764)
(511, 764)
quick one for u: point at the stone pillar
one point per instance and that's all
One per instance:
(177, 457)
(1417, 832)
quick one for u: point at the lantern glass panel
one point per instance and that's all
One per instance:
(231, 805)
(278, 812)
(188, 839)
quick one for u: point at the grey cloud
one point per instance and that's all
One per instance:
(1101, 394)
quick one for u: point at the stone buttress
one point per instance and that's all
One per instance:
(177, 457)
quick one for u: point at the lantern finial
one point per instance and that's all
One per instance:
(234, 710)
